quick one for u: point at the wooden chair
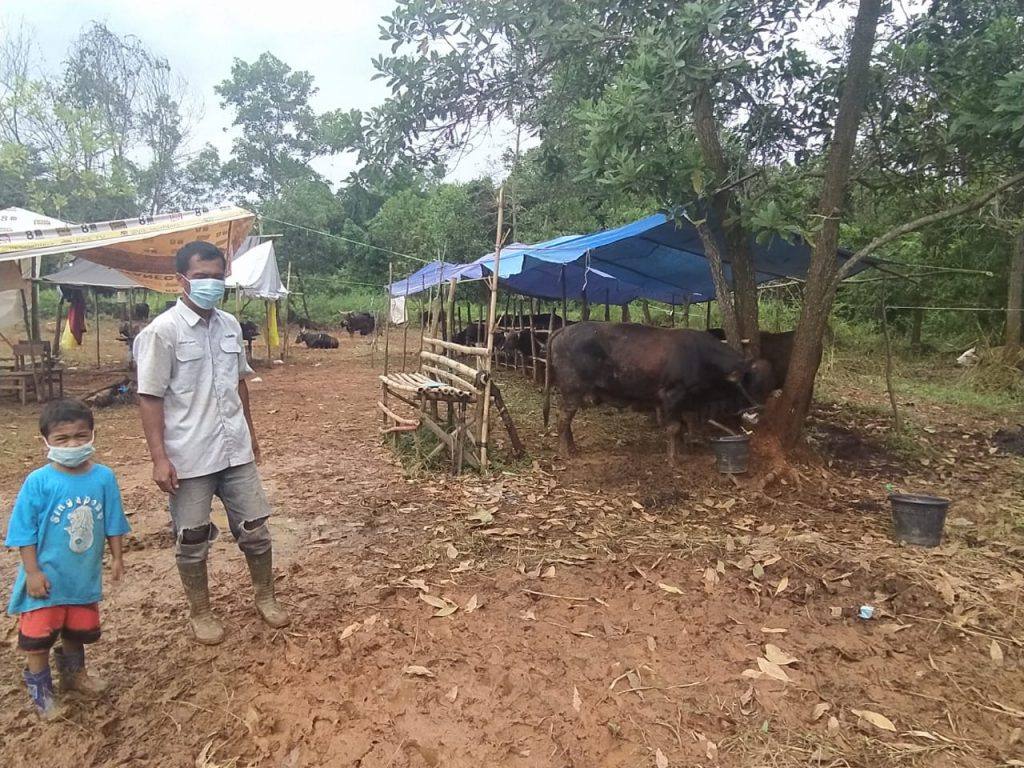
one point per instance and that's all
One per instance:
(34, 371)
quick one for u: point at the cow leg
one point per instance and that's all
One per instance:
(692, 428)
(566, 412)
(673, 429)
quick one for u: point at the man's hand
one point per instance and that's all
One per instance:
(257, 455)
(165, 476)
(37, 584)
(116, 569)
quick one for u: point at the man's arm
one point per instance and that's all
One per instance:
(152, 410)
(243, 395)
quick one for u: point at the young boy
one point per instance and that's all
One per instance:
(63, 514)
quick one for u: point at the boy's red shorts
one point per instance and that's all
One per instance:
(38, 629)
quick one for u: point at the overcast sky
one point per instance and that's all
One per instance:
(334, 41)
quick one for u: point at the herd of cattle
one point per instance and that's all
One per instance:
(362, 323)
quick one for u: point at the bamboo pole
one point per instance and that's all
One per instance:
(405, 331)
(55, 352)
(707, 317)
(451, 309)
(585, 306)
(565, 301)
(387, 318)
(96, 314)
(266, 329)
(286, 308)
(491, 309)
(607, 307)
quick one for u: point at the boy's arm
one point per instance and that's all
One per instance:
(116, 559)
(152, 410)
(36, 583)
(243, 395)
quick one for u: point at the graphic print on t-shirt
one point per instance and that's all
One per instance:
(81, 518)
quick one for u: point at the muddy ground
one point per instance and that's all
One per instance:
(609, 611)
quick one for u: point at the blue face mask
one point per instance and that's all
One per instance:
(206, 293)
(70, 456)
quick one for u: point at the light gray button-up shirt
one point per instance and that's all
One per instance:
(195, 365)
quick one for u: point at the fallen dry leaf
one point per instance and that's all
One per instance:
(660, 761)
(877, 720)
(453, 694)
(549, 572)
(652, 644)
(350, 630)
(757, 571)
(996, 652)
(710, 578)
(781, 587)
(819, 710)
(833, 724)
(577, 702)
(436, 602)
(451, 551)
(670, 589)
(776, 655)
(472, 604)
(529, 615)
(417, 671)
(772, 670)
(774, 631)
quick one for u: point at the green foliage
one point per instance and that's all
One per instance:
(280, 131)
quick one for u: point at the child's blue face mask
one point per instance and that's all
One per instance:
(70, 456)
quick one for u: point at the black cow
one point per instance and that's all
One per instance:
(361, 322)
(140, 311)
(670, 371)
(315, 340)
(777, 349)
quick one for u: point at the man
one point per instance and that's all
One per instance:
(195, 413)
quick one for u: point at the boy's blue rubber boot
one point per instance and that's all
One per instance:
(40, 689)
(73, 677)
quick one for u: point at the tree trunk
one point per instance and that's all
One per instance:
(1014, 300)
(789, 413)
(625, 313)
(738, 305)
(917, 320)
(645, 308)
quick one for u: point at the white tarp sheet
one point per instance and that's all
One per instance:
(13, 275)
(256, 273)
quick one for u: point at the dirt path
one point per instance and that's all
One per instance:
(608, 612)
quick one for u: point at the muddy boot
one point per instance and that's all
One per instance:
(40, 690)
(73, 677)
(206, 627)
(261, 569)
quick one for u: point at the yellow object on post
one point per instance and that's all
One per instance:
(67, 338)
(274, 337)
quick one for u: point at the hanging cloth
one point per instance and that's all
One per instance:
(275, 339)
(77, 310)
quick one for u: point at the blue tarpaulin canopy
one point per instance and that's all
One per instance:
(657, 257)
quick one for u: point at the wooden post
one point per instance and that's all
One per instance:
(286, 306)
(607, 308)
(533, 337)
(423, 319)
(266, 329)
(96, 313)
(707, 317)
(645, 309)
(451, 309)
(492, 307)
(1014, 297)
(405, 333)
(33, 332)
(625, 313)
(686, 313)
(672, 314)
(387, 318)
(584, 306)
(565, 301)
(56, 333)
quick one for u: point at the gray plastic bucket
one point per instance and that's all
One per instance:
(732, 452)
(918, 519)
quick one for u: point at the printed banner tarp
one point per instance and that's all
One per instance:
(142, 248)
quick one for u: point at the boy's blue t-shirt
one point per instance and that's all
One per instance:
(68, 518)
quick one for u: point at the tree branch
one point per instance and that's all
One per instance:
(924, 221)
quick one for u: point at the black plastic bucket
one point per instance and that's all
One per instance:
(918, 519)
(732, 452)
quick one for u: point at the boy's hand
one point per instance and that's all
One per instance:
(37, 584)
(165, 476)
(257, 456)
(116, 570)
